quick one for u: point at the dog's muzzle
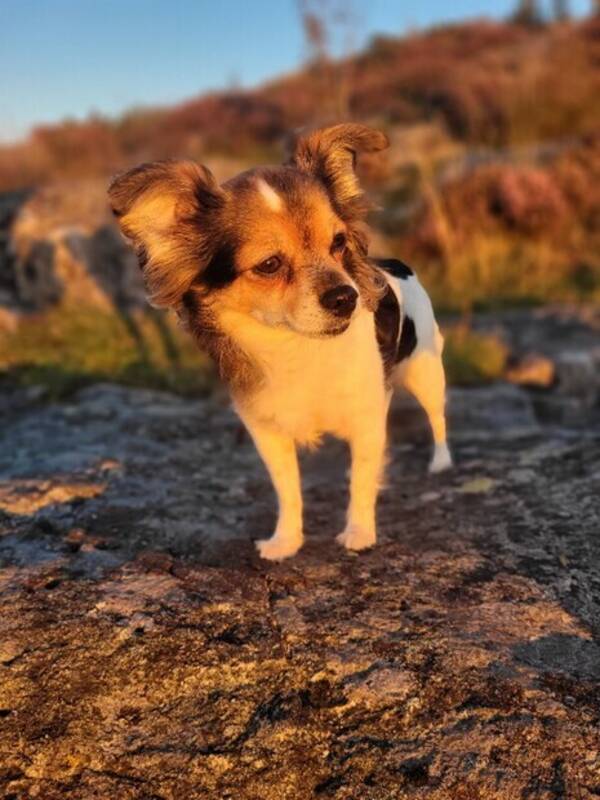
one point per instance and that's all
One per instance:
(341, 300)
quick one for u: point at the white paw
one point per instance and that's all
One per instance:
(357, 538)
(441, 459)
(278, 547)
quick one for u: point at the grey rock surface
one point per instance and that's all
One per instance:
(147, 652)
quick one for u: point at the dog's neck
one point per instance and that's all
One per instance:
(275, 349)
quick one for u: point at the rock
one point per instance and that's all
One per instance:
(578, 375)
(532, 370)
(557, 408)
(544, 331)
(29, 496)
(146, 651)
(478, 486)
(555, 348)
(498, 409)
(9, 651)
(53, 249)
(380, 686)
(37, 283)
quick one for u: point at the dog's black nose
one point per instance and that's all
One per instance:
(341, 300)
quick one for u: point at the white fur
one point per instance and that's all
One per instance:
(314, 386)
(269, 195)
(423, 373)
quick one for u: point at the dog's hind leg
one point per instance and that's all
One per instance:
(278, 452)
(423, 375)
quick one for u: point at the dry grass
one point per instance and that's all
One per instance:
(66, 349)
(496, 272)
(473, 358)
(501, 233)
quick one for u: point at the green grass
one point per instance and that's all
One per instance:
(64, 350)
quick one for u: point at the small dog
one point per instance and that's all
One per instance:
(270, 272)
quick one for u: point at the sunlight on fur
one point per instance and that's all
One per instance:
(271, 274)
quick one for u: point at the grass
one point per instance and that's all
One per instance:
(66, 349)
(473, 358)
(492, 272)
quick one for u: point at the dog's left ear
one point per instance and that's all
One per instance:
(330, 155)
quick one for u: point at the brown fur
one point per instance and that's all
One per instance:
(235, 368)
(170, 211)
(330, 155)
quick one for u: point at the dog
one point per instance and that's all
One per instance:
(270, 273)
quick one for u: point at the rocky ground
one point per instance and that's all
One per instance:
(147, 652)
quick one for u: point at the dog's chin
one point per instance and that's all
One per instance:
(324, 333)
(339, 329)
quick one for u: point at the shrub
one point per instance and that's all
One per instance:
(473, 358)
(527, 200)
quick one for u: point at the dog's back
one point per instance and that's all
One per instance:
(417, 352)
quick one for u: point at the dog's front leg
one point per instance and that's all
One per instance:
(278, 452)
(368, 453)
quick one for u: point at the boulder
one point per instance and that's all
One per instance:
(532, 370)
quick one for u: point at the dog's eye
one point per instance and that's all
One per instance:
(338, 243)
(269, 266)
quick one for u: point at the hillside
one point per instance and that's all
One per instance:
(487, 83)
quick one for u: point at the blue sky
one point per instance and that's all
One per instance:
(67, 58)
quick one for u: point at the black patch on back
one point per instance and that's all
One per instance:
(387, 324)
(408, 340)
(220, 271)
(394, 267)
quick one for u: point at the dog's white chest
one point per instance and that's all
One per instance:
(317, 386)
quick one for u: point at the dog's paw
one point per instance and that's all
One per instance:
(441, 460)
(356, 538)
(278, 547)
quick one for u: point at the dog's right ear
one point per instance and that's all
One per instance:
(329, 154)
(170, 211)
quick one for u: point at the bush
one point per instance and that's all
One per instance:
(489, 83)
(473, 358)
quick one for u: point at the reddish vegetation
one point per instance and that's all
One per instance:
(521, 199)
(492, 182)
(490, 83)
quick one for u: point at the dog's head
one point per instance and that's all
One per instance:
(286, 245)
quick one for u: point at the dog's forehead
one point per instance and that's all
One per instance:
(281, 196)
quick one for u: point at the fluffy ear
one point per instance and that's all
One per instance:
(170, 211)
(330, 155)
